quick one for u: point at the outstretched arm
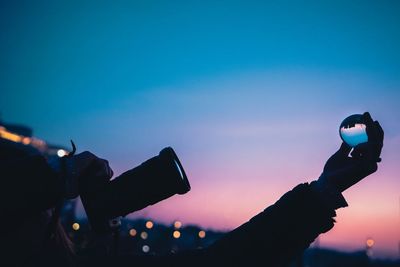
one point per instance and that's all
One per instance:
(279, 233)
(282, 231)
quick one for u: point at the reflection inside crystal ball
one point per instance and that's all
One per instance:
(353, 131)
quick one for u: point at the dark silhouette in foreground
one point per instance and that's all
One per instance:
(32, 189)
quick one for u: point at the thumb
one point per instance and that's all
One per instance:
(344, 149)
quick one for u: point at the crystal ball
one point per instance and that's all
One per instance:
(353, 130)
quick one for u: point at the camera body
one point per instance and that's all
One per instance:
(154, 180)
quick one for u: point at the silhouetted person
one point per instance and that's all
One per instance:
(274, 237)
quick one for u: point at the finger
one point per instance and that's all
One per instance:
(367, 118)
(108, 169)
(379, 132)
(103, 169)
(370, 127)
(379, 141)
(367, 152)
(362, 151)
(83, 160)
(104, 172)
(375, 137)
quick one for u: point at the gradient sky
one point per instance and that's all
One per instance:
(249, 94)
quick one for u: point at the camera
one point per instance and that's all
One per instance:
(154, 180)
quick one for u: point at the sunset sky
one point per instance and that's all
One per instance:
(249, 94)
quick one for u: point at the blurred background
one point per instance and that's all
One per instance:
(250, 94)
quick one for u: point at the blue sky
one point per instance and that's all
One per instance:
(249, 93)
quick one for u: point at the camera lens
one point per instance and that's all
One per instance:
(154, 180)
(179, 169)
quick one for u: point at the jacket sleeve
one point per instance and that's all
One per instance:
(28, 186)
(278, 234)
(272, 238)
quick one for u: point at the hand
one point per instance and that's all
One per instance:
(81, 165)
(341, 171)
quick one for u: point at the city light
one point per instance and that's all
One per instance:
(26, 140)
(144, 235)
(149, 224)
(177, 224)
(202, 234)
(32, 141)
(76, 226)
(61, 153)
(145, 248)
(176, 234)
(9, 136)
(132, 232)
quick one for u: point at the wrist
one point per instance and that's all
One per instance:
(329, 194)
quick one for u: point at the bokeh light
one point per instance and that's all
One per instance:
(202, 234)
(176, 234)
(144, 235)
(61, 153)
(149, 224)
(177, 224)
(132, 232)
(370, 242)
(145, 248)
(76, 226)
